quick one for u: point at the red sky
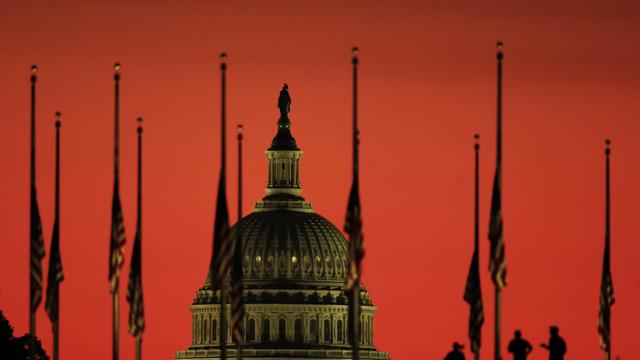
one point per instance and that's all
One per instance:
(571, 79)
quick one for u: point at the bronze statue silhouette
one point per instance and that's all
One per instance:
(455, 354)
(284, 102)
(557, 347)
(519, 347)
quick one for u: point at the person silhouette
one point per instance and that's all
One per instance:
(557, 347)
(455, 354)
(519, 347)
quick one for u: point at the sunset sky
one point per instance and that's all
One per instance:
(427, 85)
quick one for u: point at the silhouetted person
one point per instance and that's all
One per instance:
(284, 102)
(455, 354)
(519, 347)
(557, 347)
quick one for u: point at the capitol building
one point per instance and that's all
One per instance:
(294, 269)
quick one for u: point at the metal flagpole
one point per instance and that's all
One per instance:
(355, 299)
(56, 323)
(239, 238)
(498, 294)
(240, 138)
(139, 229)
(116, 293)
(607, 245)
(32, 315)
(139, 346)
(223, 287)
(476, 230)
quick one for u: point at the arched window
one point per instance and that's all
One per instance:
(251, 330)
(340, 333)
(266, 331)
(313, 330)
(282, 330)
(214, 330)
(297, 330)
(206, 330)
(327, 330)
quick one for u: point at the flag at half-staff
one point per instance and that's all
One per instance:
(55, 274)
(222, 256)
(606, 287)
(117, 240)
(353, 218)
(353, 228)
(473, 290)
(36, 242)
(237, 303)
(497, 259)
(134, 290)
(116, 247)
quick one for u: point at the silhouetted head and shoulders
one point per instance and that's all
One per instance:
(456, 354)
(519, 347)
(557, 347)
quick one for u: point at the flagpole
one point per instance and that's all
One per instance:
(239, 238)
(608, 232)
(139, 229)
(240, 138)
(56, 323)
(355, 294)
(116, 293)
(476, 230)
(223, 142)
(32, 315)
(139, 346)
(498, 294)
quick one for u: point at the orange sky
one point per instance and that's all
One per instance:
(427, 85)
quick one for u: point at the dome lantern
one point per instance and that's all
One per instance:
(283, 189)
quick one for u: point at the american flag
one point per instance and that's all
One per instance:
(55, 275)
(116, 251)
(222, 244)
(134, 290)
(473, 296)
(353, 227)
(237, 303)
(36, 252)
(497, 260)
(606, 300)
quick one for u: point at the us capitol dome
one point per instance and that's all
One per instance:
(294, 269)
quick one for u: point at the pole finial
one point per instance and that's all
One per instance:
(116, 69)
(58, 123)
(223, 61)
(607, 143)
(139, 122)
(34, 70)
(240, 129)
(476, 139)
(355, 50)
(499, 47)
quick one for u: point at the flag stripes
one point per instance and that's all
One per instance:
(353, 227)
(606, 300)
(237, 303)
(222, 245)
(116, 252)
(37, 252)
(55, 275)
(497, 260)
(473, 296)
(134, 290)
